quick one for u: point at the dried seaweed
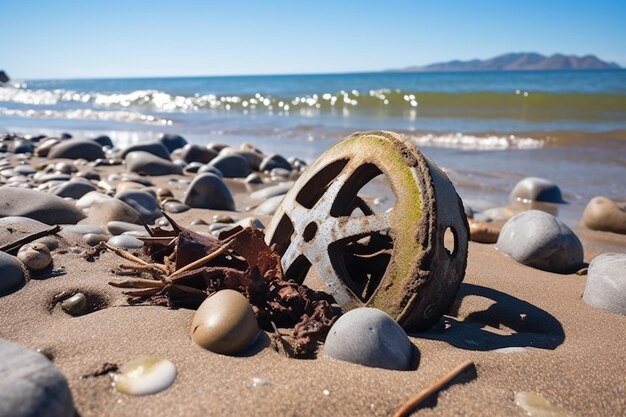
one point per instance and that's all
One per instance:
(195, 266)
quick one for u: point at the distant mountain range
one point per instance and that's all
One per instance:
(521, 61)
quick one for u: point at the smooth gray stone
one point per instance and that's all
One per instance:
(125, 242)
(540, 240)
(175, 207)
(274, 161)
(89, 175)
(192, 167)
(154, 148)
(142, 201)
(231, 166)
(606, 283)
(82, 229)
(272, 191)
(92, 239)
(254, 178)
(103, 212)
(77, 149)
(117, 227)
(146, 163)
(43, 149)
(172, 142)
(209, 191)
(38, 205)
(65, 167)
(31, 386)
(537, 189)
(280, 173)
(74, 189)
(197, 153)
(369, 337)
(55, 176)
(13, 228)
(253, 158)
(23, 146)
(24, 169)
(91, 197)
(103, 140)
(269, 206)
(211, 170)
(11, 275)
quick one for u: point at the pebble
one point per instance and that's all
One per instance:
(272, 191)
(369, 337)
(65, 168)
(172, 142)
(103, 212)
(125, 242)
(24, 169)
(231, 166)
(536, 405)
(175, 206)
(210, 169)
(605, 214)
(117, 227)
(222, 218)
(143, 202)
(192, 167)
(74, 189)
(254, 178)
(269, 206)
(75, 305)
(23, 146)
(483, 232)
(606, 283)
(128, 186)
(224, 323)
(36, 256)
(149, 164)
(537, 189)
(144, 375)
(38, 205)
(274, 161)
(92, 239)
(31, 385)
(43, 149)
(91, 197)
(196, 153)
(253, 158)
(153, 148)
(209, 191)
(542, 241)
(279, 174)
(77, 148)
(11, 274)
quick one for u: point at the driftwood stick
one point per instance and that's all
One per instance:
(408, 407)
(27, 239)
(199, 262)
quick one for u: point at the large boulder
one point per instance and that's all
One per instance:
(77, 148)
(540, 240)
(38, 205)
(31, 386)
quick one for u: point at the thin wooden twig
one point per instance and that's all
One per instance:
(27, 239)
(407, 408)
(130, 257)
(199, 262)
(138, 283)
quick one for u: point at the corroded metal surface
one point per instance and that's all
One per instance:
(395, 261)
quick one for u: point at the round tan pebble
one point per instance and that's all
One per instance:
(163, 193)
(36, 256)
(483, 233)
(75, 305)
(605, 214)
(225, 323)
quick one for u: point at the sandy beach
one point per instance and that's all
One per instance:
(526, 330)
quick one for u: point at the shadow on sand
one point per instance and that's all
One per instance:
(507, 323)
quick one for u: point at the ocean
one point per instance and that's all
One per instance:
(487, 129)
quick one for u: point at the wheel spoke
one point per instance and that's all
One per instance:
(345, 227)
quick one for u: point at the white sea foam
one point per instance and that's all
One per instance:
(464, 141)
(86, 114)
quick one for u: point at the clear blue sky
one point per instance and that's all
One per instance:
(115, 38)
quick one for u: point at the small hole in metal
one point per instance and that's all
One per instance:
(309, 231)
(449, 241)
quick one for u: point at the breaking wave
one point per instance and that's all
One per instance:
(86, 114)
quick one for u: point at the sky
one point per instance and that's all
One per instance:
(124, 38)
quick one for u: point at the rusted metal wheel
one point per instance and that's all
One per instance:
(395, 261)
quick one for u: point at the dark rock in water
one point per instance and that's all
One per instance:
(77, 148)
(172, 142)
(540, 240)
(606, 283)
(38, 205)
(103, 140)
(74, 189)
(103, 212)
(232, 166)
(196, 153)
(155, 148)
(11, 274)
(209, 191)
(31, 385)
(537, 189)
(369, 337)
(142, 201)
(602, 213)
(146, 163)
(274, 161)
(4, 78)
